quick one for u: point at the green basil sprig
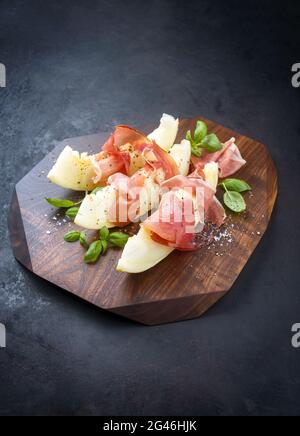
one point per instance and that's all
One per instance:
(72, 212)
(94, 252)
(104, 233)
(233, 198)
(202, 140)
(71, 206)
(57, 202)
(236, 185)
(82, 239)
(104, 246)
(235, 201)
(100, 246)
(118, 239)
(72, 236)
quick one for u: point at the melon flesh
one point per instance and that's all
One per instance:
(73, 170)
(142, 253)
(181, 153)
(211, 171)
(93, 212)
(166, 132)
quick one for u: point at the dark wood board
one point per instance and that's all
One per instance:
(184, 285)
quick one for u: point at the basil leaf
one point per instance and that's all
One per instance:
(72, 212)
(94, 252)
(56, 202)
(234, 201)
(236, 185)
(203, 140)
(104, 233)
(99, 188)
(188, 136)
(118, 239)
(211, 143)
(82, 238)
(196, 151)
(72, 236)
(104, 246)
(200, 131)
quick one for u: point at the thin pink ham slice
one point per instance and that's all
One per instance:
(128, 189)
(229, 159)
(181, 218)
(112, 158)
(128, 147)
(216, 213)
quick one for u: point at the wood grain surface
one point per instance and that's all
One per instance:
(184, 285)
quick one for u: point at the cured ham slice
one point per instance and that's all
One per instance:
(135, 196)
(216, 213)
(229, 159)
(105, 165)
(181, 221)
(127, 150)
(120, 153)
(202, 180)
(182, 213)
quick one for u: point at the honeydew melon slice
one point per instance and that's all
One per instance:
(142, 253)
(93, 212)
(166, 132)
(211, 171)
(181, 153)
(73, 170)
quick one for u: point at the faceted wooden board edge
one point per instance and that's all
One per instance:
(166, 293)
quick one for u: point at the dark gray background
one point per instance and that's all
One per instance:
(76, 67)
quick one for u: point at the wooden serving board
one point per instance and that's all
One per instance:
(184, 285)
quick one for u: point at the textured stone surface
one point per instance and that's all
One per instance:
(75, 67)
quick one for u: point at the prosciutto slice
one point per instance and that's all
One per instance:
(105, 165)
(127, 150)
(170, 224)
(134, 196)
(117, 153)
(183, 212)
(216, 213)
(229, 159)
